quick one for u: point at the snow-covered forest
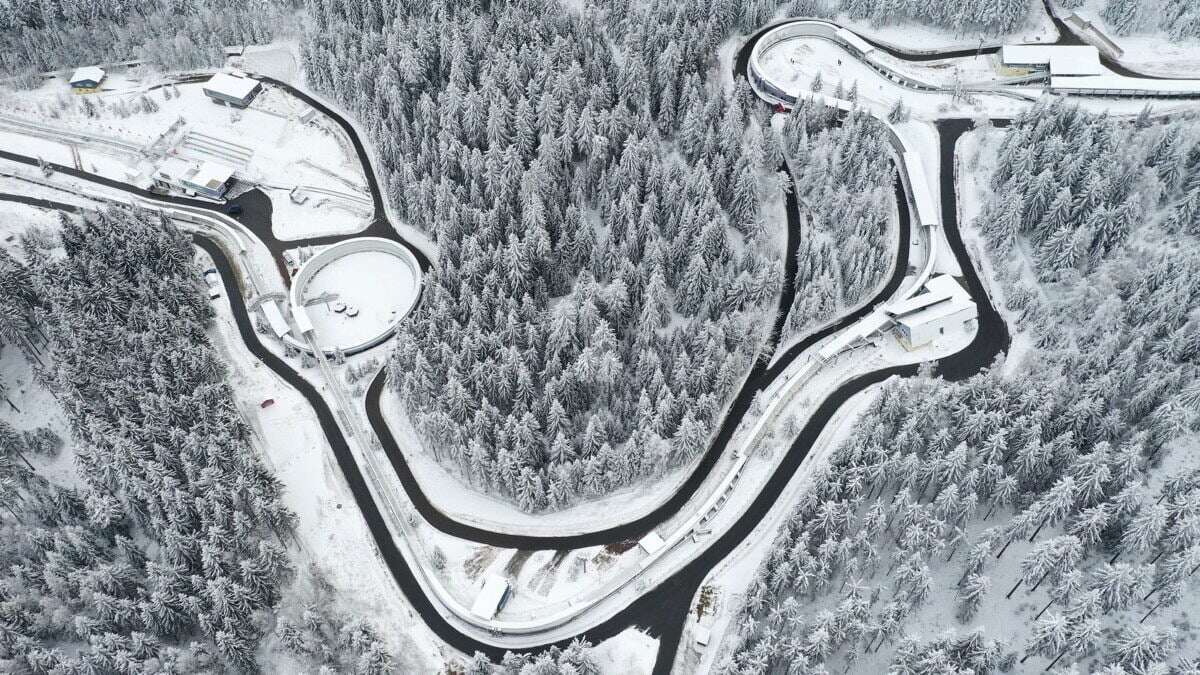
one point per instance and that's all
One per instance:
(168, 551)
(844, 178)
(1179, 19)
(53, 34)
(1053, 508)
(604, 261)
(989, 16)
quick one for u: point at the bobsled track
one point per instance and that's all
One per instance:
(661, 609)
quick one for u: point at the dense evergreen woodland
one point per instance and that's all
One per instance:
(1179, 19)
(1052, 504)
(171, 546)
(605, 273)
(990, 17)
(844, 186)
(176, 34)
(169, 553)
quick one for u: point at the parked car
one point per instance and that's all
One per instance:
(234, 209)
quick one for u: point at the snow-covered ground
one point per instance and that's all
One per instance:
(16, 218)
(284, 151)
(630, 652)
(1153, 53)
(974, 153)
(376, 284)
(330, 527)
(730, 578)
(459, 500)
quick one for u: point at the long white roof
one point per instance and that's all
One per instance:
(937, 312)
(1121, 83)
(1062, 59)
(855, 41)
(228, 85)
(487, 603)
(274, 315)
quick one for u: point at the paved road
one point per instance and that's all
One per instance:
(663, 610)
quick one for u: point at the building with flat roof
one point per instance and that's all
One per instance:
(231, 89)
(944, 304)
(279, 325)
(491, 598)
(208, 179)
(651, 543)
(1060, 60)
(87, 79)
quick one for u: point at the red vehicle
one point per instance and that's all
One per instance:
(267, 403)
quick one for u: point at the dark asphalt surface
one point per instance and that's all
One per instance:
(759, 377)
(663, 610)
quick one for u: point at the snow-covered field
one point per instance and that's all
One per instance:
(376, 284)
(630, 652)
(277, 60)
(16, 218)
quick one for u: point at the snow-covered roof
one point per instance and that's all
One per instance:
(852, 39)
(303, 323)
(915, 303)
(231, 86)
(651, 543)
(856, 333)
(87, 74)
(922, 194)
(938, 289)
(944, 283)
(211, 175)
(943, 297)
(487, 603)
(1061, 59)
(274, 315)
(938, 312)
(175, 169)
(1125, 85)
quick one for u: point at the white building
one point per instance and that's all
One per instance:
(208, 179)
(86, 79)
(491, 598)
(651, 543)
(943, 305)
(231, 89)
(1056, 59)
(279, 325)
